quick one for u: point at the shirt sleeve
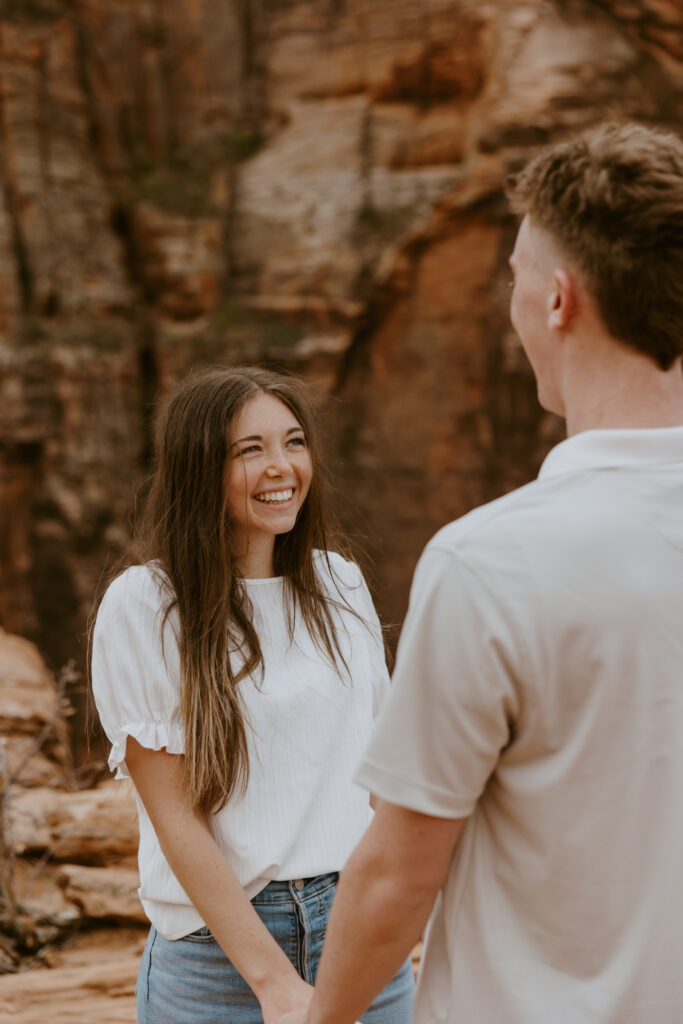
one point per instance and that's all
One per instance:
(454, 694)
(136, 668)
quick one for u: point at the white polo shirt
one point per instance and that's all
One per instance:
(539, 691)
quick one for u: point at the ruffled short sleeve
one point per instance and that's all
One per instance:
(136, 667)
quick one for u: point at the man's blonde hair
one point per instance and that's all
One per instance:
(612, 198)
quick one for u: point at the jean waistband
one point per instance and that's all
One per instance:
(296, 888)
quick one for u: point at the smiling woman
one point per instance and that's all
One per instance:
(268, 475)
(237, 670)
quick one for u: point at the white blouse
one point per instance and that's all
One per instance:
(301, 814)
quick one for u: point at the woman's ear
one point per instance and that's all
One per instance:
(562, 300)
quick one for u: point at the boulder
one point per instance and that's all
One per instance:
(32, 724)
(103, 992)
(93, 826)
(103, 893)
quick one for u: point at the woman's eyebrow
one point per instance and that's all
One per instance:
(250, 437)
(259, 437)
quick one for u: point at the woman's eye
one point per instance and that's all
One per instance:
(298, 442)
(249, 449)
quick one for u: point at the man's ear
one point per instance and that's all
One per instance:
(561, 301)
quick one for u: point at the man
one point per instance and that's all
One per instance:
(529, 761)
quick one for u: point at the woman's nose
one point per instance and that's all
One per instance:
(279, 465)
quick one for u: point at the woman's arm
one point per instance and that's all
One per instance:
(201, 868)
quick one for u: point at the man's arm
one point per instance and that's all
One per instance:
(385, 896)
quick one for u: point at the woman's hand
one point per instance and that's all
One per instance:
(296, 1017)
(288, 997)
(212, 885)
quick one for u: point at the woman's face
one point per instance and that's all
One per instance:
(267, 475)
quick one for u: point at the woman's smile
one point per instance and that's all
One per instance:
(267, 477)
(275, 497)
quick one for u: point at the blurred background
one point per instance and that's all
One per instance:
(315, 185)
(309, 184)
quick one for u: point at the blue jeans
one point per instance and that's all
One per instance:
(191, 981)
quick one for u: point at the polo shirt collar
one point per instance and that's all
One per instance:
(610, 449)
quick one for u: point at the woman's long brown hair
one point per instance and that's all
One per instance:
(185, 532)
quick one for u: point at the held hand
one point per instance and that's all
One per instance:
(295, 1017)
(285, 1000)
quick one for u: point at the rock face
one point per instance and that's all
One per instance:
(317, 185)
(89, 984)
(93, 826)
(68, 870)
(33, 735)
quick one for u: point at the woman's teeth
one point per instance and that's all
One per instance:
(275, 496)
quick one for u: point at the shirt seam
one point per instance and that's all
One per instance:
(506, 609)
(413, 785)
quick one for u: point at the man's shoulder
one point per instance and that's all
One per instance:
(550, 522)
(516, 509)
(531, 526)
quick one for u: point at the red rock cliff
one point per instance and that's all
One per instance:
(310, 183)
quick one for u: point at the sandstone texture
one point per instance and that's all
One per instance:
(68, 866)
(314, 184)
(311, 184)
(90, 979)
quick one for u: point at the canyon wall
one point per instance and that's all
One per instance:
(313, 184)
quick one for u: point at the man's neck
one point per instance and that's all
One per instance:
(618, 388)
